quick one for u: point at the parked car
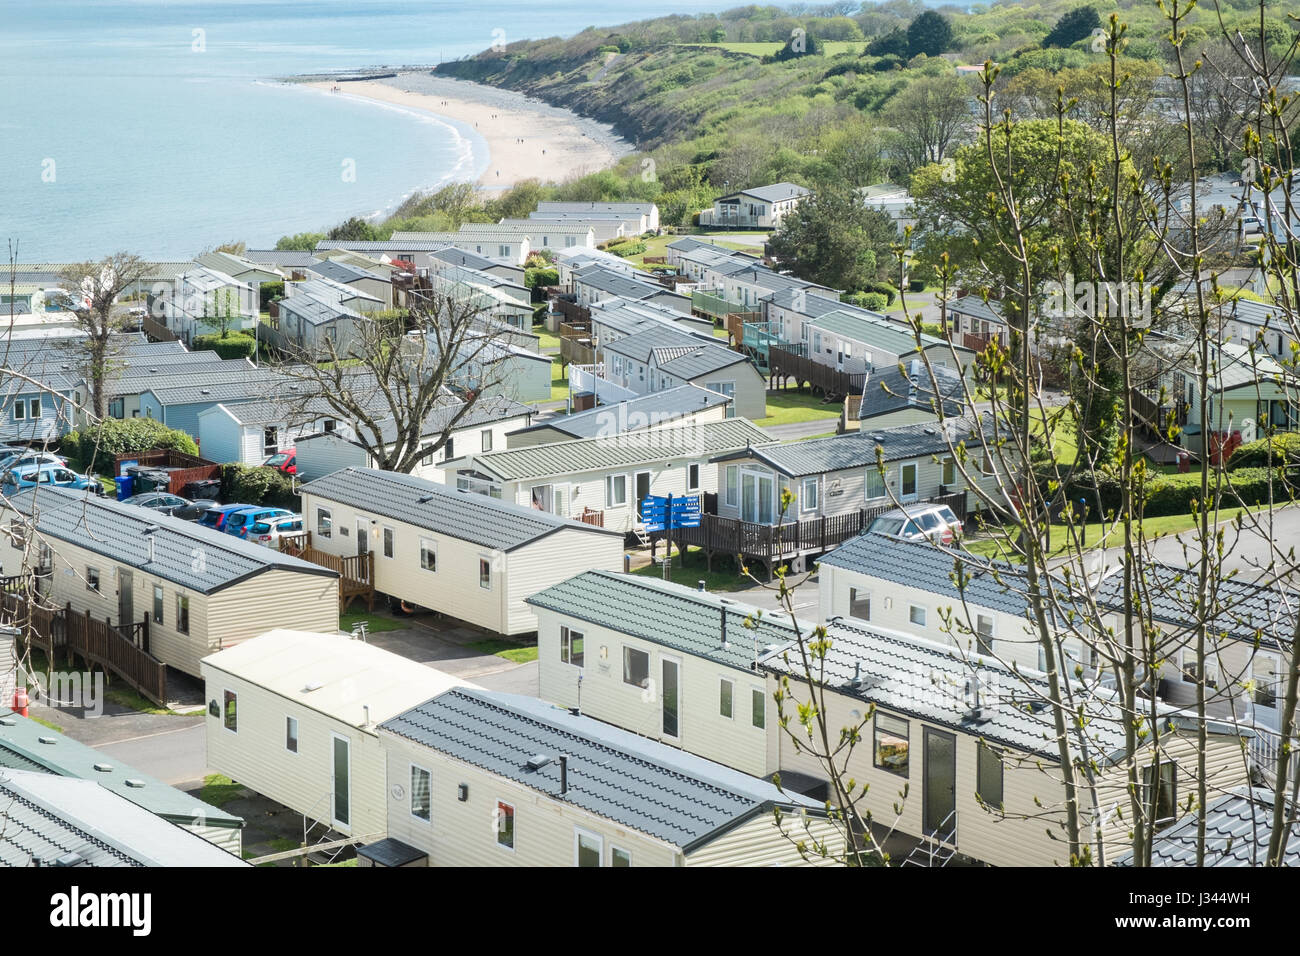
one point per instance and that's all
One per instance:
(57, 475)
(26, 458)
(216, 517)
(238, 522)
(285, 461)
(270, 531)
(171, 504)
(936, 522)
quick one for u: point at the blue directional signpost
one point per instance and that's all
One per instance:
(667, 514)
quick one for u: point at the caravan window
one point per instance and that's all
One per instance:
(891, 750)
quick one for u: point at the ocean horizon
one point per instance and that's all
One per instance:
(161, 127)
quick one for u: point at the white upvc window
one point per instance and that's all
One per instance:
(572, 646)
(808, 500)
(429, 554)
(588, 848)
(916, 614)
(984, 633)
(733, 478)
(291, 734)
(324, 523)
(615, 491)
(726, 698)
(421, 790)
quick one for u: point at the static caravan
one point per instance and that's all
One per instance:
(483, 428)
(684, 405)
(464, 555)
(484, 779)
(293, 716)
(27, 745)
(247, 433)
(200, 590)
(605, 479)
(663, 661)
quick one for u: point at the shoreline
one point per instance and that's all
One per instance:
(524, 138)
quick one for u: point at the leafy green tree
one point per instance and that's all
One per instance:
(930, 33)
(356, 229)
(303, 241)
(893, 43)
(1073, 27)
(931, 116)
(833, 239)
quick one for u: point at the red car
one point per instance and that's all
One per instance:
(285, 461)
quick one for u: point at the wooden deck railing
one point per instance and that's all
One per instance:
(773, 544)
(735, 323)
(155, 331)
(834, 384)
(124, 651)
(356, 571)
(591, 517)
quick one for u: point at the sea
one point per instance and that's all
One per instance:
(159, 127)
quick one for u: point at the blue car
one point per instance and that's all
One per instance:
(216, 517)
(48, 474)
(239, 522)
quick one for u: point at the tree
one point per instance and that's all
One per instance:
(1219, 103)
(893, 43)
(930, 33)
(355, 229)
(930, 116)
(832, 238)
(303, 241)
(404, 384)
(98, 285)
(1073, 27)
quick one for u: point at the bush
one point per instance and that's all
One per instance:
(916, 285)
(258, 485)
(228, 346)
(873, 301)
(626, 249)
(1267, 452)
(541, 277)
(113, 437)
(1174, 494)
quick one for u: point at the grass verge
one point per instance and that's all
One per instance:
(507, 650)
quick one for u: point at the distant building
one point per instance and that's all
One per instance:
(762, 207)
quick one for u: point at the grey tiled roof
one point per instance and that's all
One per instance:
(317, 310)
(887, 390)
(1238, 827)
(293, 258)
(476, 518)
(641, 412)
(976, 307)
(639, 345)
(775, 192)
(472, 260)
(817, 456)
(1244, 610)
(342, 272)
(670, 615)
(117, 531)
(916, 678)
(44, 817)
(703, 360)
(615, 283)
(646, 786)
(595, 454)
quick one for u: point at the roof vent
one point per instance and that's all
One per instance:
(878, 437)
(311, 686)
(47, 740)
(205, 391)
(8, 722)
(70, 859)
(538, 761)
(135, 783)
(104, 767)
(424, 499)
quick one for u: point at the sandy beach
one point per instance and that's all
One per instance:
(526, 139)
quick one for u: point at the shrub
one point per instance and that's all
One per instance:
(872, 300)
(113, 437)
(541, 277)
(258, 485)
(228, 346)
(1266, 452)
(1174, 494)
(916, 285)
(626, 249)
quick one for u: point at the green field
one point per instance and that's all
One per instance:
(788, 407)
(1100, 533)
(507, 650)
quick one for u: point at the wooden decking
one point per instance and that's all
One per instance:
(772, 545)
(785, 365)
(356, 571)
(122, 650)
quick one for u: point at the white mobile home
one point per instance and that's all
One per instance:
(200, 590)
(608, 477)
(294, 716)
(684, 405)
(464, 555)
(484, 779)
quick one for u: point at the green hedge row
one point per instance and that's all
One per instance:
(112, 437)
(1174, 494)
(232, 345)
(258, 485)
(1266, 452)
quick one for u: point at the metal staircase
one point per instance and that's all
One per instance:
(322, 842)
(937, 848)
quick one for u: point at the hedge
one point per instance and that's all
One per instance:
(534, 277)
(258, 485)
(1256, 454)
(114, 436)
(232, 345)
(626, 249)
(1174, 494)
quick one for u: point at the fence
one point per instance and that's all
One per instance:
(94, 641)
(356, 571)
(833, 383)
(181, 468)
(156, 331)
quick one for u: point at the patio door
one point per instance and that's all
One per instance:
(907, 478)
(671, 689)
(341, 792)
(939, 786)
(125, 600)
(756, 497)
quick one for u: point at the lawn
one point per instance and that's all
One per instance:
(786, 407)
(559, 380)
(723, 577)
(508, 650)
(546, 340)
(219, 790)
(1065, 449)
(376, 623)
(1097, 532)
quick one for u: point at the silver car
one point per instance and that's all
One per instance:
(936, 522)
